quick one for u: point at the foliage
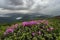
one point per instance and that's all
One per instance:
(33, 30)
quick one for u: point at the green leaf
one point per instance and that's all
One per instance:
(34, 38)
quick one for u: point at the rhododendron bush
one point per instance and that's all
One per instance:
(31, 30)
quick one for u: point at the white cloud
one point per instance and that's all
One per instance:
(5, 11)
(1, 15)
(42, 6)
(53, 7)
(18, 18)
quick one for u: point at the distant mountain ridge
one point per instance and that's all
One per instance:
(57, 17)
(25, 17)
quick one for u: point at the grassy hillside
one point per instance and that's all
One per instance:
(53, 22)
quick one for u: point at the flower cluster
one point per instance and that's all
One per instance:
(29, 23)
(50, 29)
(11, 29)
(30, 29)
(33, 33)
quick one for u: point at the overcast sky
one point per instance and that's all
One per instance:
(49, 7)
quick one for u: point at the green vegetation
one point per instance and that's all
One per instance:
(34, 32)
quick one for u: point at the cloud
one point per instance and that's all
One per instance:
(5, 11)
(1, 15)
(21, 4)
(53, 8)
(48, 7)
(16, 2)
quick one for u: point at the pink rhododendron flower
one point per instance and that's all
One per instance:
(50, 29)
(29, 23)
(39, 32)
(25, 23)
(33, 33)
(33, 22)
(42, 21)
(39, 21)
(13, 26)
(16, 25)
(8, 31)
(46, 22)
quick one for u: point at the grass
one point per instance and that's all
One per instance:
(55, 22)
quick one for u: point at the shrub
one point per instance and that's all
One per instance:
(31, 30)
